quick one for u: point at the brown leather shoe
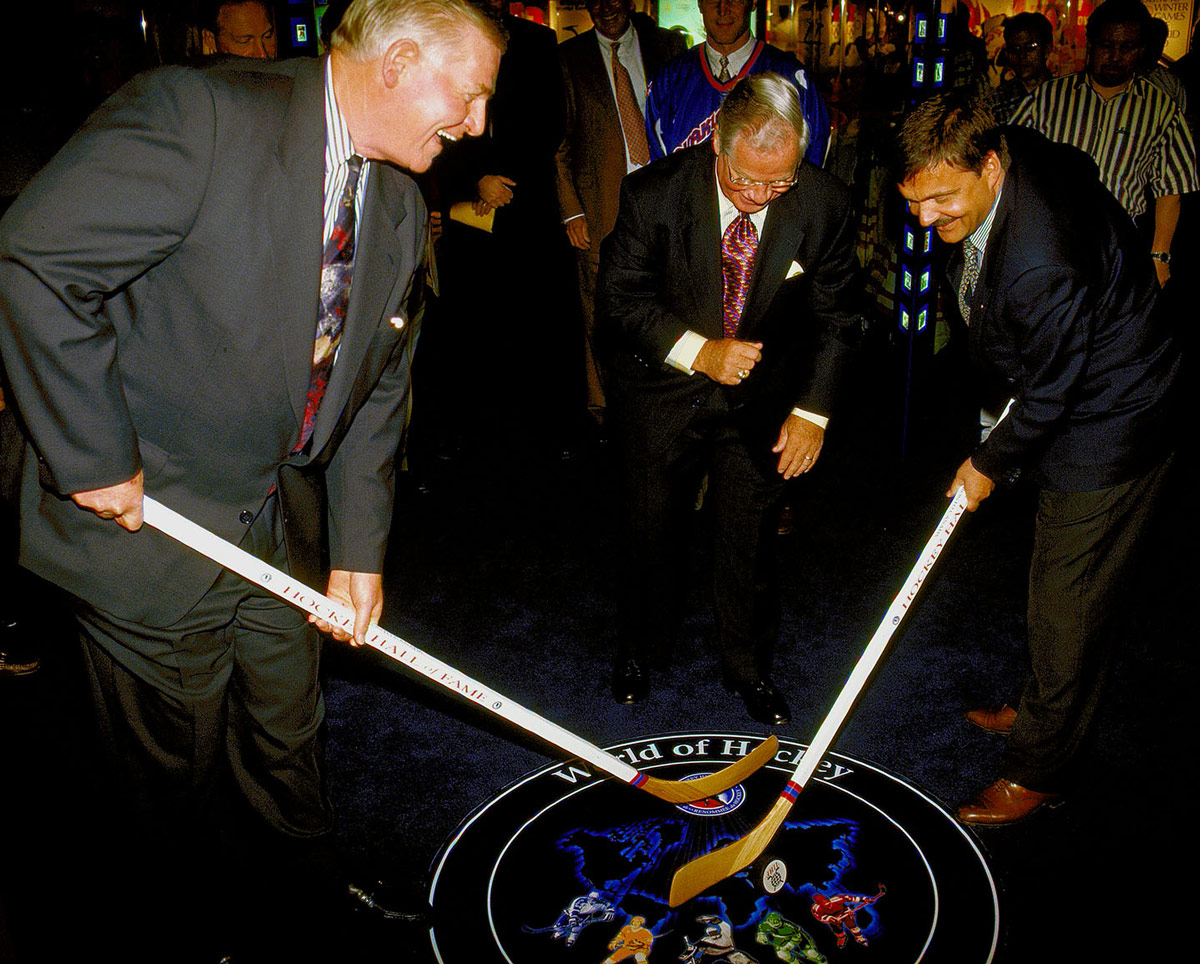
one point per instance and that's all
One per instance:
(1005, 802)
(994, 719)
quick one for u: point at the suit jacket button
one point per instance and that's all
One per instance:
(245, 517)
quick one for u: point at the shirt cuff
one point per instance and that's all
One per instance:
(683, 355)
(821, 421)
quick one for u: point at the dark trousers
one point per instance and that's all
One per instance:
(588, 263)
(660, 491)
(1084, 545)
(211, 728)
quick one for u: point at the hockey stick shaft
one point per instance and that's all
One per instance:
(292, 591)
(698, 875)
(871, 656)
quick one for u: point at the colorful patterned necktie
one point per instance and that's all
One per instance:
(738, 248)
(633, 124)
(723, 76)
(337, 265)
(966, 284)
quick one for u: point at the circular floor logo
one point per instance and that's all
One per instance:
(569, 865)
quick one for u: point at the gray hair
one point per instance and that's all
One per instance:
(763, 108)
(369, 27)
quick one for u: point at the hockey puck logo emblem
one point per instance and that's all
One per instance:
(718, 806)
(773, 876)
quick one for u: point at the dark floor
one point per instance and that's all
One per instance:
(502, 563)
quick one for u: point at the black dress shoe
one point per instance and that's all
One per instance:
(17, 657)
(404, 905)
(763, 702)
(629, 681)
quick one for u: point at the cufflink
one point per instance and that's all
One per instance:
(397, 322)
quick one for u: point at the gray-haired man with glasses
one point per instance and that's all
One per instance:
(724, 293)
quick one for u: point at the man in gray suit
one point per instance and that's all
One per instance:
(159, 320)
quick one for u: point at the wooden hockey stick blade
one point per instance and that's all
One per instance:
(292, 591)
(685, 791)
(698, 875)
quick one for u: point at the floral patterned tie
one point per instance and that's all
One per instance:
(337, 265)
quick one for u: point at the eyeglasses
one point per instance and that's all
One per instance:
(1021, 49)
(745, 183)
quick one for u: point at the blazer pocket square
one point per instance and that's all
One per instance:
(794, 270)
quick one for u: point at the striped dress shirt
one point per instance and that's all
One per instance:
(1138, 138)
(338, 150)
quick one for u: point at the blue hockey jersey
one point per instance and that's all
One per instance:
(681, 105)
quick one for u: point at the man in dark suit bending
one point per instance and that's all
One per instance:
(724, 289)
(1062, 308)
(204, 298)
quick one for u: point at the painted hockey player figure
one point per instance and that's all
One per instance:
(840, 912)
(590, 908)
(790, 941)
(633, 940)
(715, 946)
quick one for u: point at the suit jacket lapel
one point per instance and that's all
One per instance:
(648, 45)
(777, 248)
(701, 238)
(296, 227)
(992, 259)
(596, 78)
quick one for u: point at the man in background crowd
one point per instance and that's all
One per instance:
(681, 108)
(1028, 39)
(245, 28)
(605, 73)
(1134, 131)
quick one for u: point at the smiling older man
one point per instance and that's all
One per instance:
(203, 297)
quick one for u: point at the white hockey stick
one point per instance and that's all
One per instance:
(301, 596)
(698, 875)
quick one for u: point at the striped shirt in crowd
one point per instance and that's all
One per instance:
(1006, 98)
(1138, 138)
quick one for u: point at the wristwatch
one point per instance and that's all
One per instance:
(1162, 256)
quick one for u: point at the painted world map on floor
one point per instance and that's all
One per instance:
(568, 865)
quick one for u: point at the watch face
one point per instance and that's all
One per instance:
(1163, 256)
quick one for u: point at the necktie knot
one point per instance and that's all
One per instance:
(723, 76)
